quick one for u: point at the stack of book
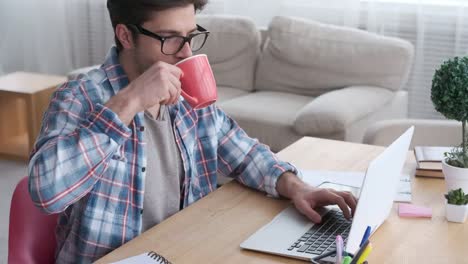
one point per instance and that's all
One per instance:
(429, 161)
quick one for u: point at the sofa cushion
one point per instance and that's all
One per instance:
(226, 93)
(232, 49)
(333, 112)
(310, 58)
(268, 116)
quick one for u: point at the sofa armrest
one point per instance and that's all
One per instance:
(334, 111)
(427, 132)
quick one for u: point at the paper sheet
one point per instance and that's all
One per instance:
(317, 177)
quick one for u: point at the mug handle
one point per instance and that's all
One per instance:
(190, 99)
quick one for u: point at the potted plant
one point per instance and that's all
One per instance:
(449, 95)
(456, 208)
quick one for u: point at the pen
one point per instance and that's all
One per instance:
(347, 260)
(359, 253)
(324, 255)
(339, 249)
(366, 236)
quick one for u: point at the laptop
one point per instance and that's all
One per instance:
(291, 234)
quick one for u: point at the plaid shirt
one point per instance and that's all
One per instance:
(90, 167)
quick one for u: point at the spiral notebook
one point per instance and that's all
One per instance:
(145, 258)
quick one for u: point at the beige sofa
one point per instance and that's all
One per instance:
(302, 78)
(427, 132)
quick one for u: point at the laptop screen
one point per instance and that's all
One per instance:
(378, 189)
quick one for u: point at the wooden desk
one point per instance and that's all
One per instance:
(23, 99)
(211, 230)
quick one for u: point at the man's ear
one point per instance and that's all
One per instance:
(125, 36)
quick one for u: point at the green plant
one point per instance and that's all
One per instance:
(456, 157)
(449, 94)
(457, 197)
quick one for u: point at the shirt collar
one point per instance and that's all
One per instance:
(115, 73)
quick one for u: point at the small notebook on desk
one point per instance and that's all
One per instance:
(429, 160)
(145, 258)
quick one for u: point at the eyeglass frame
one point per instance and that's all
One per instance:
(188, 39)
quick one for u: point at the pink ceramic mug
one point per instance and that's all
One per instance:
(198, 82)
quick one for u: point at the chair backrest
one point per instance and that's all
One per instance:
(31, 233)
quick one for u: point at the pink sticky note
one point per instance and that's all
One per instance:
(411, 210)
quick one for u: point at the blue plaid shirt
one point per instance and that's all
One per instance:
(89, 167)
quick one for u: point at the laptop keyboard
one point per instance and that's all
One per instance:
(321, 238)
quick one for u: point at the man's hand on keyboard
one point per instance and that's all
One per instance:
(306, 198)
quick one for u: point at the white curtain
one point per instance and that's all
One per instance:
(52, 36)
(33, 36)
(341, 12)
(437, 28)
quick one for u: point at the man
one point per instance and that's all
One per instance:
(119, 150)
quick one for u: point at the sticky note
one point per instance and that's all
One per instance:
(411, 210)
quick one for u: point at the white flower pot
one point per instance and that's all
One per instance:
(456, 213)
(455, 177)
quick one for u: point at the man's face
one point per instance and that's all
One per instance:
(179, 21)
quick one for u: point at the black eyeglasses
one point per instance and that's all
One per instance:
(173, 44)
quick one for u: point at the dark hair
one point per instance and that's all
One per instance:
(139, 11)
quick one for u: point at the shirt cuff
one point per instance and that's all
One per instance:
(104, 119)
(277, 171)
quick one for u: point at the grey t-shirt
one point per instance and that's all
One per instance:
(164, 170)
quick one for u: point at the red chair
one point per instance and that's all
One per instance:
(32, 233)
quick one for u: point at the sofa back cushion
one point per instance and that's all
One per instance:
(232, 49)
(310, 58)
